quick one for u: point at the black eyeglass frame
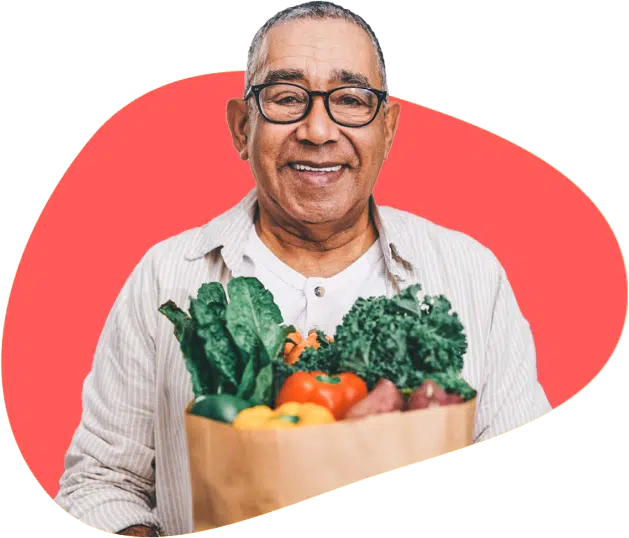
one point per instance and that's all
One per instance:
(255, 89)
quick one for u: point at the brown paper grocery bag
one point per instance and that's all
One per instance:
(237, 475)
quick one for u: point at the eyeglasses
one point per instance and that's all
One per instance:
(349, 106)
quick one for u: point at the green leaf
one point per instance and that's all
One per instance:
(176, 316)
(439, 340)
(277, 348)
(213, 295)
(253, 319)
(262, 393)
(453, 382)
(248, 381)
(212, 292)
(325, 358)
(399, 338)
(356, 335)
(281, 372)
(407, 301)
(192, 349)
(217, 343)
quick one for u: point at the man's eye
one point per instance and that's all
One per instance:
(288, 100)
(350, 101)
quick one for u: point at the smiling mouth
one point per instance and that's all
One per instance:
(323, 168)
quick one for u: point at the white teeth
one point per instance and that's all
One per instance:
(304, 168)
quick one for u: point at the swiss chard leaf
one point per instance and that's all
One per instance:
(253, 320)
(217, 343)
(263, 392)
(265, 387)
(276, 349)
(230, 347)
(192, 349)
(213, 295)
(248, 380)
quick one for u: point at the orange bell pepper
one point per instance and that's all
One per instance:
(336, 392)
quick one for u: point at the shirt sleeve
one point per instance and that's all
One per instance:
(512, 394)
(109, 477)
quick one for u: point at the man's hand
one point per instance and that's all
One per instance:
(138, 530)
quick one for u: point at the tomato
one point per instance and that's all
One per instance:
(336, 392)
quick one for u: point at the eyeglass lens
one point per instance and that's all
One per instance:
(285, 103)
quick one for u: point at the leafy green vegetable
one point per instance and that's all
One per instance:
(281, 372)
(213, 295)
(401, 339)
(325, 358)
(438, 342)
(452, 382)
(220, 407)
(248, 381)
(217, 344)
(263, 393)
(236, 347)
(229, 346)
(191, 347)
(253, 320)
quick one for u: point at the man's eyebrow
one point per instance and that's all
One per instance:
(343, 76)
(349, 77)
(277, 75)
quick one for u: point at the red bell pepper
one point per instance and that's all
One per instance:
(336, 392)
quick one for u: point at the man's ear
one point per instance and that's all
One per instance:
(391, 119)
(238, 122)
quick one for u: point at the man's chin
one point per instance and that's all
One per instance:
(292, 208)
(314, 208)
(319, 216)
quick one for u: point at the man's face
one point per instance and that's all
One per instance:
(319, 55)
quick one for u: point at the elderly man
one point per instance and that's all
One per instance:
(316, 127)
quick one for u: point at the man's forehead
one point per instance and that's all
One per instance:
(330, 49)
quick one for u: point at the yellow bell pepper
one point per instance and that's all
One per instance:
(288, 415)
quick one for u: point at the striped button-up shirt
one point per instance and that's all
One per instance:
(128, 461)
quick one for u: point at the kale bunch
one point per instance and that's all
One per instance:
(402, 339)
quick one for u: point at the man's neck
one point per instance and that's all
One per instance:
(321, 252)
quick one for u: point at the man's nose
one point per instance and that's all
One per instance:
(317, 127)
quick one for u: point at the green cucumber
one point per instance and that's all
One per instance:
(220, 407)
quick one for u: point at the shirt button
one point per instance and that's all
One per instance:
(319, 291)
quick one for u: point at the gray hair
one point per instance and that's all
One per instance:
(309, 10)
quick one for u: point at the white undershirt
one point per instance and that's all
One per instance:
(295, 294)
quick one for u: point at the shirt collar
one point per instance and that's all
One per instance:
(229, 231)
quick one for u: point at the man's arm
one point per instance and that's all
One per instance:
(139, 530)
(512, 395)
(109, 479)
